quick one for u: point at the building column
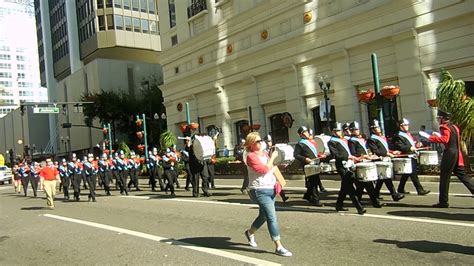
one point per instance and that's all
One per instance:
(412, 94)
(73, 36)
(223, 118)
(258, 113)
(295, 104)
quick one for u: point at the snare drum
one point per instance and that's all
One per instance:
(332, 162)
(402, 166)
(384, 170)
(322, 143)
(325, 168)
(312, 169)
(203, 147)
(428, 157)
(285, 154)
(366, 172)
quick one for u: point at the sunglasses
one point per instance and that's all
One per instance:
(259, 141)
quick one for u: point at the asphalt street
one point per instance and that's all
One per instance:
(148, 228)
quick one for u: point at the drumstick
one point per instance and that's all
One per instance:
(423, 148)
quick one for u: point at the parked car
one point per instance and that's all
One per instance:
(5, 175)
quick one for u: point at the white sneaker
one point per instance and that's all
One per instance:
(283, 252)
(251, 239)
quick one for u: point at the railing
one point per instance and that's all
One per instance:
(196, 7)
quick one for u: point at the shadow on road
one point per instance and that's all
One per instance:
(435, 214)
(215, 243)
(426, 246)
(34, 208)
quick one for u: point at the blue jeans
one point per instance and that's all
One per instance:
(265, 198)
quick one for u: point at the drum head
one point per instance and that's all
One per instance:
(321, 143)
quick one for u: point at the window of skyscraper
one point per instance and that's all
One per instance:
(174, 40)
(108, 3)
(20, 67)
(118, 3)
(5, 66)
(136, 24)
(20, 58)
(100, 3)
(128, 23)
(126, 4)
(172, 13)
(135, 4)
(110, 22)
(118, 22)
(21, 75)
(101, 23)
(5, 75)
(5, 57)
(143, 5)
(153, 28)
(145, 25)
(151, 6)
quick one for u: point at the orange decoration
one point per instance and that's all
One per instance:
(105, 131)
(256, 126)
(139, 122)
(390, 92)
(200, 60)
(194, 125)
(264, 35)
(229, 48)
(367, 96)
(432, 103)
(308, 16)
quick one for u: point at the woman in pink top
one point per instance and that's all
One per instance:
(262, 182)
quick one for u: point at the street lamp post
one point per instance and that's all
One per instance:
(325, 86)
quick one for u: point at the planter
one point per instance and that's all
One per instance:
(194, 125)
(432, 103)
(139, 122)
(105, 131)
(390, 92)
(367, 96)
(183, 128)
(140, 135)
(141, 147)
(256, 126)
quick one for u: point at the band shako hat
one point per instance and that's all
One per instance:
(404, 121)
(337, 126)
(345, 126)
(354, 125)
(267, 138)
(374, 123)
(443, 114)
(302, 129)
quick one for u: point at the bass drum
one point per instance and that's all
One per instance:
(322, 143)
(285, 154)
(203, 147)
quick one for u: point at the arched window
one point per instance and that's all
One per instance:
(279, 129)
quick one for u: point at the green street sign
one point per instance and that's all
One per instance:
(46, 110)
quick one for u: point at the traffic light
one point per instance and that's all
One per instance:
(67, 125)
(22, 109)
(64, 109)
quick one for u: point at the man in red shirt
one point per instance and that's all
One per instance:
(50, 174)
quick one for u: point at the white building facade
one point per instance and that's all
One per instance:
(19, 73)
(225, 56)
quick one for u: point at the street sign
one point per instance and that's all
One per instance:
(46, 110)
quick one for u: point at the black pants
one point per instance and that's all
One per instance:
(388, 183)
(24, 182)
(211, 174)
(133, 178)
(122, 181)
(76, 185)
(204, 175)
(84, 180)
(170, 175)
(347, 187)
(65, 181)
(445, 178)
(105, 177)
(91, 181)
(188, 175)
(312, 188)
(245, 172)
(155, 175)
(369, 187)
(414, 178)
(34, 184)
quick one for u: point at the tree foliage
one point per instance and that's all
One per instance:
(167, 139)
(451, 97)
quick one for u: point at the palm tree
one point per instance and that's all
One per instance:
(451, 97)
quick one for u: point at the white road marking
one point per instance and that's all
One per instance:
(392, 217)
(408, 219)
(166, 240)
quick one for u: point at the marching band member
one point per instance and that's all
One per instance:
(404, 142)
(78, 169)
(339, 148)
(185, 159)
(358, 147)
(89, 172)
(105, 172)
(346, 130)
(169, 162)
(35, 169)
(64, 175)
(24, 172)
(200, 170)
(311, 139)
(176, 154)
(134, 168)
(121, 173)
(452, 160)
(83, 175)
(379, 146)
(155, 173)
(306, 153)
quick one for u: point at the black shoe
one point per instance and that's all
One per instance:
(397, 196)
(403, 192)
(323, 190)
(121, 193)
(244, 191)
(378, 205)
(207, 194)
(361, 211)
(196, 195)
(93, 200)
(285, 198)
(153, 189)
(173, 195)
(213, 187)
(89, 199)
(308, 198)
(138, 189)
(187, 189)
(423, 192)
(441, 205)
(317, 203)
(379, 197)
(108, 193)
(341, 209)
